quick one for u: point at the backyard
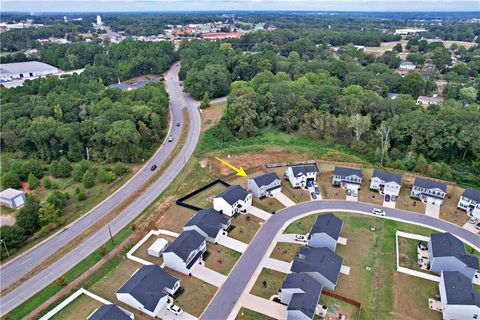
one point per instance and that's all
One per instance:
(80, 308)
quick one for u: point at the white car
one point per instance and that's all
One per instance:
(170, 139)
(378, 212)
(473, 220)
(301, 237)
(173, 308)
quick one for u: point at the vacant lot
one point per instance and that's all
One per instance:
(212, 114)
(245, 227)
(268, 283)
(449, 211)
(220, 258)
(174, 218)
(80, 308)
(285, 251)
(247, 314)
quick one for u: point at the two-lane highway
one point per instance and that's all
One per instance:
(15, 269)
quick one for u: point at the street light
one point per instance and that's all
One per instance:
(5, 245)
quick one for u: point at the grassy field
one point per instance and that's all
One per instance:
(221, 259)
(246, 226)
(80, 308)
(204, 199)
(212, 114)
(247, 314)
(285, 251)
(268, 283)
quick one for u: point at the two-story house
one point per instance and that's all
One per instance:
(470, 202)
(210, 223)
(386, 183)
(347, 178)
(148, 289)
(232, 200)
(428, 191)
(325, 232)
(447, 253)
(265, 185)
(458, 297)
(428, 101)
(186, 252)
(301, 293)
(302, 176)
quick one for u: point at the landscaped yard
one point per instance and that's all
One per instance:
(406, 203)
(285, 251)
(80, 308)
(297, 195)
(245, 227)
(221, 259)
(324, 181)
(247, 314)
(268, 283)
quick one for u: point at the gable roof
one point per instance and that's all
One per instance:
(307, 301)
(232, 194)
(109, 312)
(185, 243)
(209, 221)
(266, 179)
(392, 95)
(472, 194)
(387, 176)
(11, 193)
(321, 260)
(147, 285)
(407, 63)
(447, 245)
(328, 223)
(429, 184)
(343, 171)
(459, 289)
(303, 170)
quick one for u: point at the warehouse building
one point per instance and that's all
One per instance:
(22, 70)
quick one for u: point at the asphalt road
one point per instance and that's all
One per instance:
(227, 296)
(15, 269)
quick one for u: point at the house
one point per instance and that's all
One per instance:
(265, 185)
(347, 178)
(110, 312)
(186, 252)
(427, 101)
(386, 183)
(302, 176)
(393, 96)
(28, 69)
(428, 191)
(322, 264)
(209, 223)
(447, 253)
(148, 289)
(301, 293)
(407, 65)
(470, 202)
(458, 297)
(157, 247)
(12, 198)
(232, 200)
(325, 232)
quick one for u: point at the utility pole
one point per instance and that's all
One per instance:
(5, 245)
(110, 232)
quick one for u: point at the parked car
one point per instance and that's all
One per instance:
(317, 190)
(309, 183)
(477, 226)
(473, 220)
(349, 192)
(378, 212)
(174, 309)
(301, 237)
(314, 195)
(154, 167)
(387, 198)
(355, 193)
(170, 139)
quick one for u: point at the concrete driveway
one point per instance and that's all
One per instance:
(389, 204)
(167, 315)
(208, 275)
(264, 306)
(290, 238)
(286, 201)
(471, 227)
(233, 244)
(277, 265)
(433, 210)
(351, 198)
(257, 212)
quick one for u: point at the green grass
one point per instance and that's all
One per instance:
(247, 314)
(268, 283)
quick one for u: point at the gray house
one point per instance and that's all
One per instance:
(186, 252)
(265, 185)
(386, 183)
(458, 297)
(470, 202)
(209, 223)
(428, 191)
(447, 253)
(301, 293)
(110, 312)
(325, 232)
(347, 178)
(322, 264)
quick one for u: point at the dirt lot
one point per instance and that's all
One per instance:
(174, 218)
(268, 283)
(246, 226)
(268, 204)
(328, 191)
(406, 203)
(449, 211)
(212, 114)
(80, 308)
(221, 259)
(247, 314)
(204, 199)
(285, 251)
(142, 252)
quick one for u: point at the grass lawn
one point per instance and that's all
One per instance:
(268, 283)
(285, 251)
(337, 306)
(247, 314)
(365, 194)
(449, 211)
(212, 114)
(221, 259)
(142, 251)
(80, 308)
(301, 226)
(204, 199)
(268, 204)
(406, 203)
(246, 226)
(324, 181)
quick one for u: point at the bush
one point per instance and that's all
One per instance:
(27, 217)
(49, 214)
(88, 179)
(61, 168)
(57, 199)
(106, 176)
(80, 170)
(81, 196)
(13, 236)
(120, 169)
(47, 183)
(32, 166)
(62, 282)
(10, 180)
(33, 182)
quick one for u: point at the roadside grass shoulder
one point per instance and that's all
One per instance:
(247, 314)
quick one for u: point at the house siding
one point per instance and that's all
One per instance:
(390, 188)
(223, 206)
(423, 194)
(320, 240)
(261, 191)
(176, 263)
(296, 315)
(464, 203)
(456, 312)
(300, 181)
(352, 182)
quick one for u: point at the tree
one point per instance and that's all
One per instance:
(33, 182)
(120, 170)
(61, 168)
(205, 101)
(10, 180)
(88, 179)
(360, 124)
(13, 236)
(421, 164)
(49, 214)
(106, 176)
(81, 196)
(383, 132)
(468, 94)
(57, 198)
(80, 169)
(241, 117)
(398, 47)
(27, 217)
(47, 183)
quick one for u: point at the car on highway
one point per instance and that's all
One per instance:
(314, 195)
(378, 212)
(301, 237)
(170, 139)
(178, 124)
(153, 168)
(473, 220)
(173, 308)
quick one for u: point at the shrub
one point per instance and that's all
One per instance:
(33, 182)
(80, 170)
(106, 176)
(61, 168)
(120, 169)
(81, 196)
(88, 179)
(47, 183)
(10, 180)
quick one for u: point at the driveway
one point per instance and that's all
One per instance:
(167, 315)
(257, 212)
(264, 306)
(290, 238)
(351, 198)
(208, 275)
(277, 265)
(471, 227)
(233, 244)
(389, 204)
(433, 210)
(286, 201)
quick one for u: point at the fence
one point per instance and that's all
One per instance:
(143, 240)
(181, 202)
(346, 299)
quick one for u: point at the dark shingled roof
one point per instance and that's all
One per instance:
(266, 179)
(345, 172)
(447, 245)
(472, 194)
(232, 194)
(321, 260)
(387, 176)
(429, 184)
(303, 170)
(109, 312)
(307, 301)
(209, 221)
(459, 289)
(328, 223)
(185, 243)
(147, 285)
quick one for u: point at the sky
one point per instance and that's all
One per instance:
(236, 5)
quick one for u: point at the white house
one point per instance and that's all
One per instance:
(458, 297)
(21, 70)
(427, 101)
(265, 185)
(12, 198)
(302, 176)
(386, 183)
(301, 293)
(407, 65)
(232, 200)
(157, 247)
(325, 232)
(186, 252)
(347, 178)
(110, 312)
(428, 191)
(148, 289)
(210, 223)
(470, 202)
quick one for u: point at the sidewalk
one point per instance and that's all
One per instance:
(286, 201)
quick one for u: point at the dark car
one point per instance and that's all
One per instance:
(317, 190)
(314, 195)
(154, 167)
(178, 124)
(387, 198)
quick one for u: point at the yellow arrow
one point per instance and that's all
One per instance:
(240, 172)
